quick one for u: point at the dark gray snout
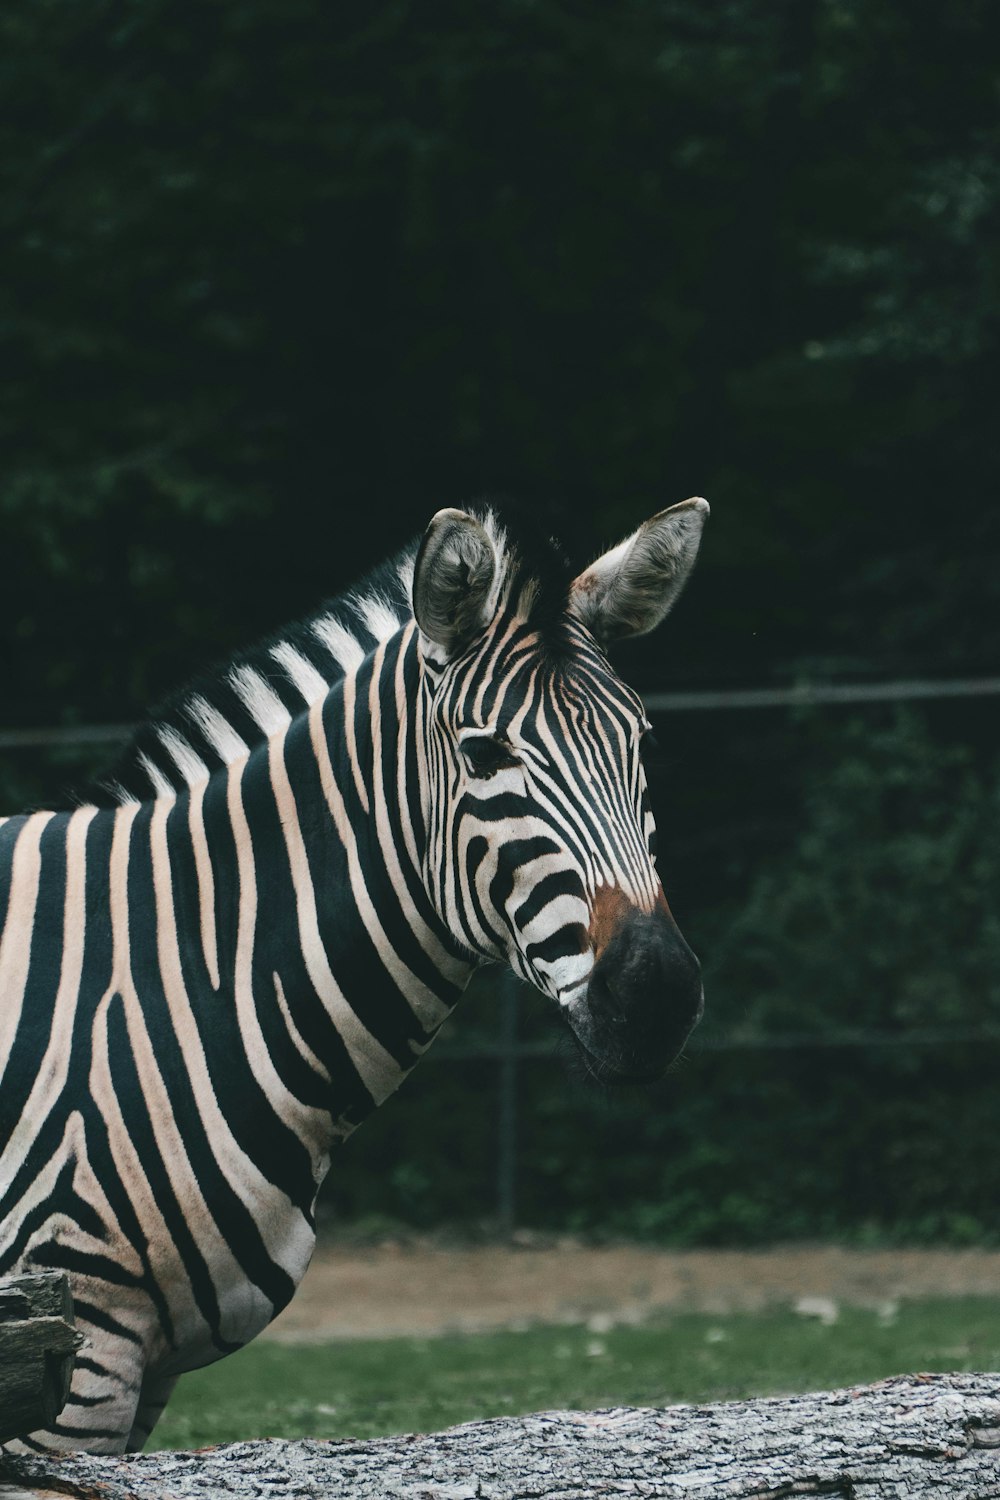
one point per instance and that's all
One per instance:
(643, 999)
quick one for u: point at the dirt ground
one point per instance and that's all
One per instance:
(424, 1289)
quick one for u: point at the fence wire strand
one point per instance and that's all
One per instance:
(801, 695)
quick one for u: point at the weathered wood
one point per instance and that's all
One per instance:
(901, 1439)
(37, 1344)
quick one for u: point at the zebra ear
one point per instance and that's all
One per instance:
(630, 589)
(453, 581)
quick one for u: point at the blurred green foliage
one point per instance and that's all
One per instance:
(281, 278)
(868, 1146)
(883, 914)
(875, 924)
(278, 279)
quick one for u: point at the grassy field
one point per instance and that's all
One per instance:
(372, 1387)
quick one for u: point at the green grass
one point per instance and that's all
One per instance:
(370, 1388)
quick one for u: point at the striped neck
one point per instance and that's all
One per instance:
(364, 965)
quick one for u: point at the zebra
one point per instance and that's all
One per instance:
(214, 969)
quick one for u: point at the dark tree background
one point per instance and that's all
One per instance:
(281, 278)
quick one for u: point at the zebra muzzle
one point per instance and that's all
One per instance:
(643, 998)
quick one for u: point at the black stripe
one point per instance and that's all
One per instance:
(278, 949)
(87, 1311)
(135, 1110)
(559, 883)
(42, 980)
(266, 1138)
(353, 958)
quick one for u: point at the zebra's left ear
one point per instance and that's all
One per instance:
(453, 582)
(630, 589)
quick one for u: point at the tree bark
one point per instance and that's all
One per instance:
(912, 1436)
(37, 1343)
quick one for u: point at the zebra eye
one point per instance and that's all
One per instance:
(486, 753)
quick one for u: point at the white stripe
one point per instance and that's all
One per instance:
(260, 700)
(379, 1071)
(190, 765)
(220, 734)
(301, 1045)
(39, 1190)
(428, 1008)
(15, 945)
(310, 683)
(54, 1067)
(350, 707)
(206, 882)
(123, 797)
(380, 618)
(405, 573)
(341, 644)
(162, 787)
(282, 1226)
(128, 1166)
(408, 797)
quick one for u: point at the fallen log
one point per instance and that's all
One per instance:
(37, 1344)
(912, 1436)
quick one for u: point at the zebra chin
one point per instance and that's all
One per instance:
(642, 1000)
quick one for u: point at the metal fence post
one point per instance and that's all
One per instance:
(507, 1108)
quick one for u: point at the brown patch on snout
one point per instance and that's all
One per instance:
(608, 911)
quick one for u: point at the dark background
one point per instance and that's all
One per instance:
(280, 279)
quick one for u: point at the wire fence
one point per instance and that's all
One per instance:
(799, 695)
(508, 1051)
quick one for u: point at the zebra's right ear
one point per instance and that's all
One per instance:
(630, 589)
(453, 580)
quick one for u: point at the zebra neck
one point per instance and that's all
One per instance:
(364, 971)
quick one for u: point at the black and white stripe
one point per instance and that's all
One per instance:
(211, 976)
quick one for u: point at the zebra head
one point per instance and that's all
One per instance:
(540, 847)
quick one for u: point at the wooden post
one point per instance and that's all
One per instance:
(37, 1343)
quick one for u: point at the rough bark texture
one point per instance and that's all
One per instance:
(37, 1343)
(912, 1436)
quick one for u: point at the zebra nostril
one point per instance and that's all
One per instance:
(645, 993)
(616, 1013)
(602, 1002)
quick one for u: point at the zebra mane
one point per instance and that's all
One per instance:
(223, 712)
